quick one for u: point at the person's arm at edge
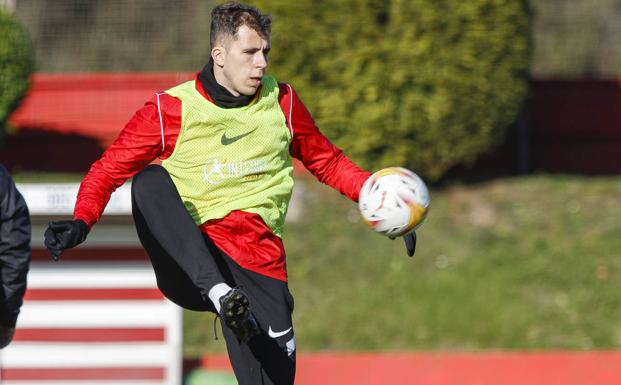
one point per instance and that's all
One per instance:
(322, 158)
(15, 251)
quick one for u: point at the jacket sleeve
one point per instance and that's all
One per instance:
(322, 158)
(15, 253)
(143, 139)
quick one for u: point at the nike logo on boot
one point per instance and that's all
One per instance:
(274, 334)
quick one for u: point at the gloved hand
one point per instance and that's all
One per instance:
(61, 235)
(410, 242)
(6, 336)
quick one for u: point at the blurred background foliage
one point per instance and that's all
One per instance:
(117, 35)
(578, 38)
(16, 64)
(424, 84)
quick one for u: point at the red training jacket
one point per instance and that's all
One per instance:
(242, 236)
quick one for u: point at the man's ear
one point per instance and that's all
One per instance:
(218, 54)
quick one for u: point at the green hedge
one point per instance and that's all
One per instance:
(427, 84)
(16, 64)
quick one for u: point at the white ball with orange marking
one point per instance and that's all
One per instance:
(394, 201)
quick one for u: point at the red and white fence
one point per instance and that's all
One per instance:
(94, 323)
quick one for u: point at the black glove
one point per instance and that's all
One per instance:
(61, 235)
(410, 242)
(6, 335)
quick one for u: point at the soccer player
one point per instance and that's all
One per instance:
(211, 216)
(15, 255)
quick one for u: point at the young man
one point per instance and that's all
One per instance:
(15, 255)
(211, 217)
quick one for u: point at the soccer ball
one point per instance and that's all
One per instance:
(394, 201)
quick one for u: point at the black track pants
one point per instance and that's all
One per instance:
(187, 264)
(268, 358)
(184, 267)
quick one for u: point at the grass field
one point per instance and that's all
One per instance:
(517, 263)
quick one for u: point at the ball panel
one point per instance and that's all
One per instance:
(394, 201)
(417, 216)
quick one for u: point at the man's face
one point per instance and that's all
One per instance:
(243, 61)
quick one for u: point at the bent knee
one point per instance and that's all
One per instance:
(150, 180)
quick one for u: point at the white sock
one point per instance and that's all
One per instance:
(216, 292)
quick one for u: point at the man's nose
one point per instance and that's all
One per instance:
(261, 61)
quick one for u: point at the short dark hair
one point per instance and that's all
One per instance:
(228, 17)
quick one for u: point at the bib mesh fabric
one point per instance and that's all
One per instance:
(232, 159)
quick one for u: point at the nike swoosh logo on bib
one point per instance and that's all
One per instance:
(274, 334)
(226, 141)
